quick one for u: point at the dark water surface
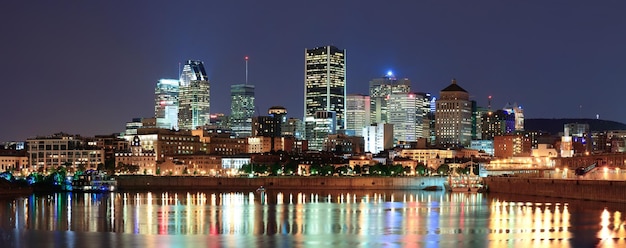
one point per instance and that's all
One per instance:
(307, 219)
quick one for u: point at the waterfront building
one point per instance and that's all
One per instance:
(165, 142)
(318, 127)
(512, 145)
(324, 89)
(235, 162)
(357, 114)
(193, 96)
(378, 137)
(61, 149)
(192, 164)
(406, 114)
(380, 89)
(166, 103)
(453, 116)
(432, 158)
(220, 142)
(241, 109)
(265, 144)
(14, 160)
(144, 160)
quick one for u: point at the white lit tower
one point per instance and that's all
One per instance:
(380, 91)
(194, 96)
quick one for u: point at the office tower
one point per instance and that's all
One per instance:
(497, 123)
(166, 104)
(453, 116)
(406, 113)
(293, 127)
(241, 109)
(325, 84)
(193, 96)
(380, 90)
(357, 114)
(519, 115)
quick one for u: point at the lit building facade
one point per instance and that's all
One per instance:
(241, 109)
(378, 137)
(518, 113)
(406, 113)
(357, 114)
(318, 127)
(193, 96)
(497, 123)
(380, 90)
(453, 116)
(166, 104)
(72, 151)
(325, 84)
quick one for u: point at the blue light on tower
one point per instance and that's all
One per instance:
(389, 73)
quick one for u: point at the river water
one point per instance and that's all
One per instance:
(307, 219)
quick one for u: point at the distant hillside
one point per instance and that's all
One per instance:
(554, 126)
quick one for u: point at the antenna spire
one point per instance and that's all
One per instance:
(246, 70)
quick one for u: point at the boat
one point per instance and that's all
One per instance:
(464, 183)
(94, 182)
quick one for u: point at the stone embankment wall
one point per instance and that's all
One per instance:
(190, 182)
(593, 190)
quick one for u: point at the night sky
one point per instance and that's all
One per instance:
(88, 67)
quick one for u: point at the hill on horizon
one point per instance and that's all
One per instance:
(554, 126)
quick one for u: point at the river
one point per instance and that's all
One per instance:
(307, 219)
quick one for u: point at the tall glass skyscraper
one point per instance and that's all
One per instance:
(325, 82)
(380, 91)
(193, 96)
(241, 109)
(166, 104)
(325, 85)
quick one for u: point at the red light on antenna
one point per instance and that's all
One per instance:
(489, 97)
(246, 57)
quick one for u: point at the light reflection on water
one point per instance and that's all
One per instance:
(305, 218)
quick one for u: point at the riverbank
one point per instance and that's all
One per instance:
(350, 183)
(591, 190)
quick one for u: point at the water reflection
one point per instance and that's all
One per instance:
(335, 218)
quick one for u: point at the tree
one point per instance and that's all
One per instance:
(275, 169)
(100, 167)
(291, 167)
(420, 169)
(185, 171)
(443, 169)
(315, 169)
(246, 168)
(158, 171)
(357, 169)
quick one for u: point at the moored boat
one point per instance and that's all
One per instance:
(464, 183)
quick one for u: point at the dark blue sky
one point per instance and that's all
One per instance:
(87, 67)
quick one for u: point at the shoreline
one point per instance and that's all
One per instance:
(140, 182)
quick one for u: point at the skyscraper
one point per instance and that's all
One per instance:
(241, 109)
(166, 103)
(406, 113)
(325, 83)
(380, 90)
(453, 116)
(357, 114)
(194, 96)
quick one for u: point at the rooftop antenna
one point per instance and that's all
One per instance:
(489, 103)
(246, 70)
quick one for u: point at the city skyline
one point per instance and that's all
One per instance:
(97, 63)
